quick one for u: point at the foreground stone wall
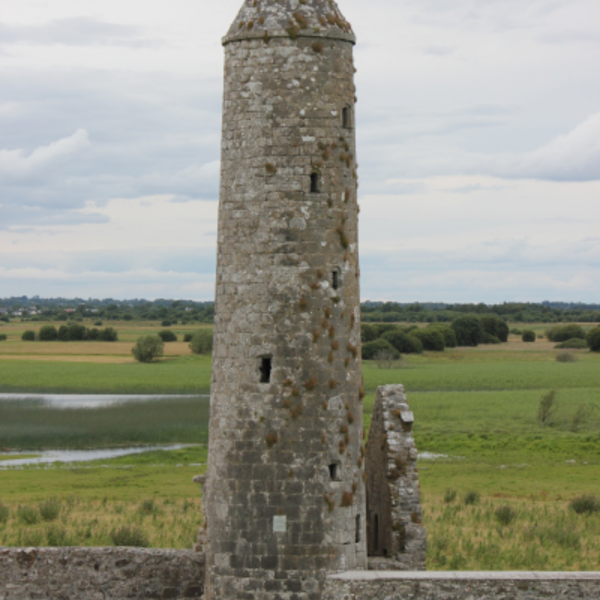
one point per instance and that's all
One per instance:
(520, 585)
(100, 573)
(132, 574)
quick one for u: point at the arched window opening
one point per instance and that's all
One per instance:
(314, 183)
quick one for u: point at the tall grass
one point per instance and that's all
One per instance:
(494, 535)
(83, 522)
(32, 425)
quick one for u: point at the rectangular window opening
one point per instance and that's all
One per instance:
(358, 526)
(334, 472)
(265, 369)
(346, 118)
(335, 277)
(314, 183)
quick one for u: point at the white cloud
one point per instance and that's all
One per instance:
(570, 37)
(574, 156)
(75, 31)
(17, 165)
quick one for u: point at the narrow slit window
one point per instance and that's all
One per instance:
(335, 279)
(346, 118)
(314, 183)
(376, 533)
(358, 526)
(265, 369)
(334, 472)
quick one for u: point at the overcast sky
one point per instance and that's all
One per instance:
(478, 127)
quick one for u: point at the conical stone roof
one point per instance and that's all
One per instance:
(289, 18)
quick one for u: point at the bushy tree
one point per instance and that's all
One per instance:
(495, 327)
(368, 333)
(431, 339)
(447, 332)
(148, 348)
(370, 349)
(468, 330)
(528, 335)
(382, 328)
(28, 336)
(565, 332)
(93, 334)
(202, 342)
(593, 339)
(72, 333)
(488, 338)
(3, 337)
(167, 336)
(403, 342)
(48, 333)
(108, 335)
(572, 344)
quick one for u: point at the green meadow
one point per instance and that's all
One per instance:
(476, 409)
(179, 375)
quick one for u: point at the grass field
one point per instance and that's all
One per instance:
(100, 367)
(153, 492)
(476, 407)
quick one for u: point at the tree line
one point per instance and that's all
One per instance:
(188, 311)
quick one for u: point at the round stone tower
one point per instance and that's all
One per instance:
(285, 495)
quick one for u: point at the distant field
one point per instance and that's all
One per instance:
(93, 351)
(187, 375)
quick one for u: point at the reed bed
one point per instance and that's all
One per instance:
(33, 425)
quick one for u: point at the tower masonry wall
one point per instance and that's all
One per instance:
(285, 495)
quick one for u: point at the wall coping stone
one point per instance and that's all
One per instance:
(367, 576)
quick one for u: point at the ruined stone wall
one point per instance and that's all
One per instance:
(463, 586)
(284, 495)
(135, 574)
(395, 533)
(100, 574)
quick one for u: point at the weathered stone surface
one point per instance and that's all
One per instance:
(289, 18)
(463, 586)
(100, 573)
(395, 531)
(284, 495)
